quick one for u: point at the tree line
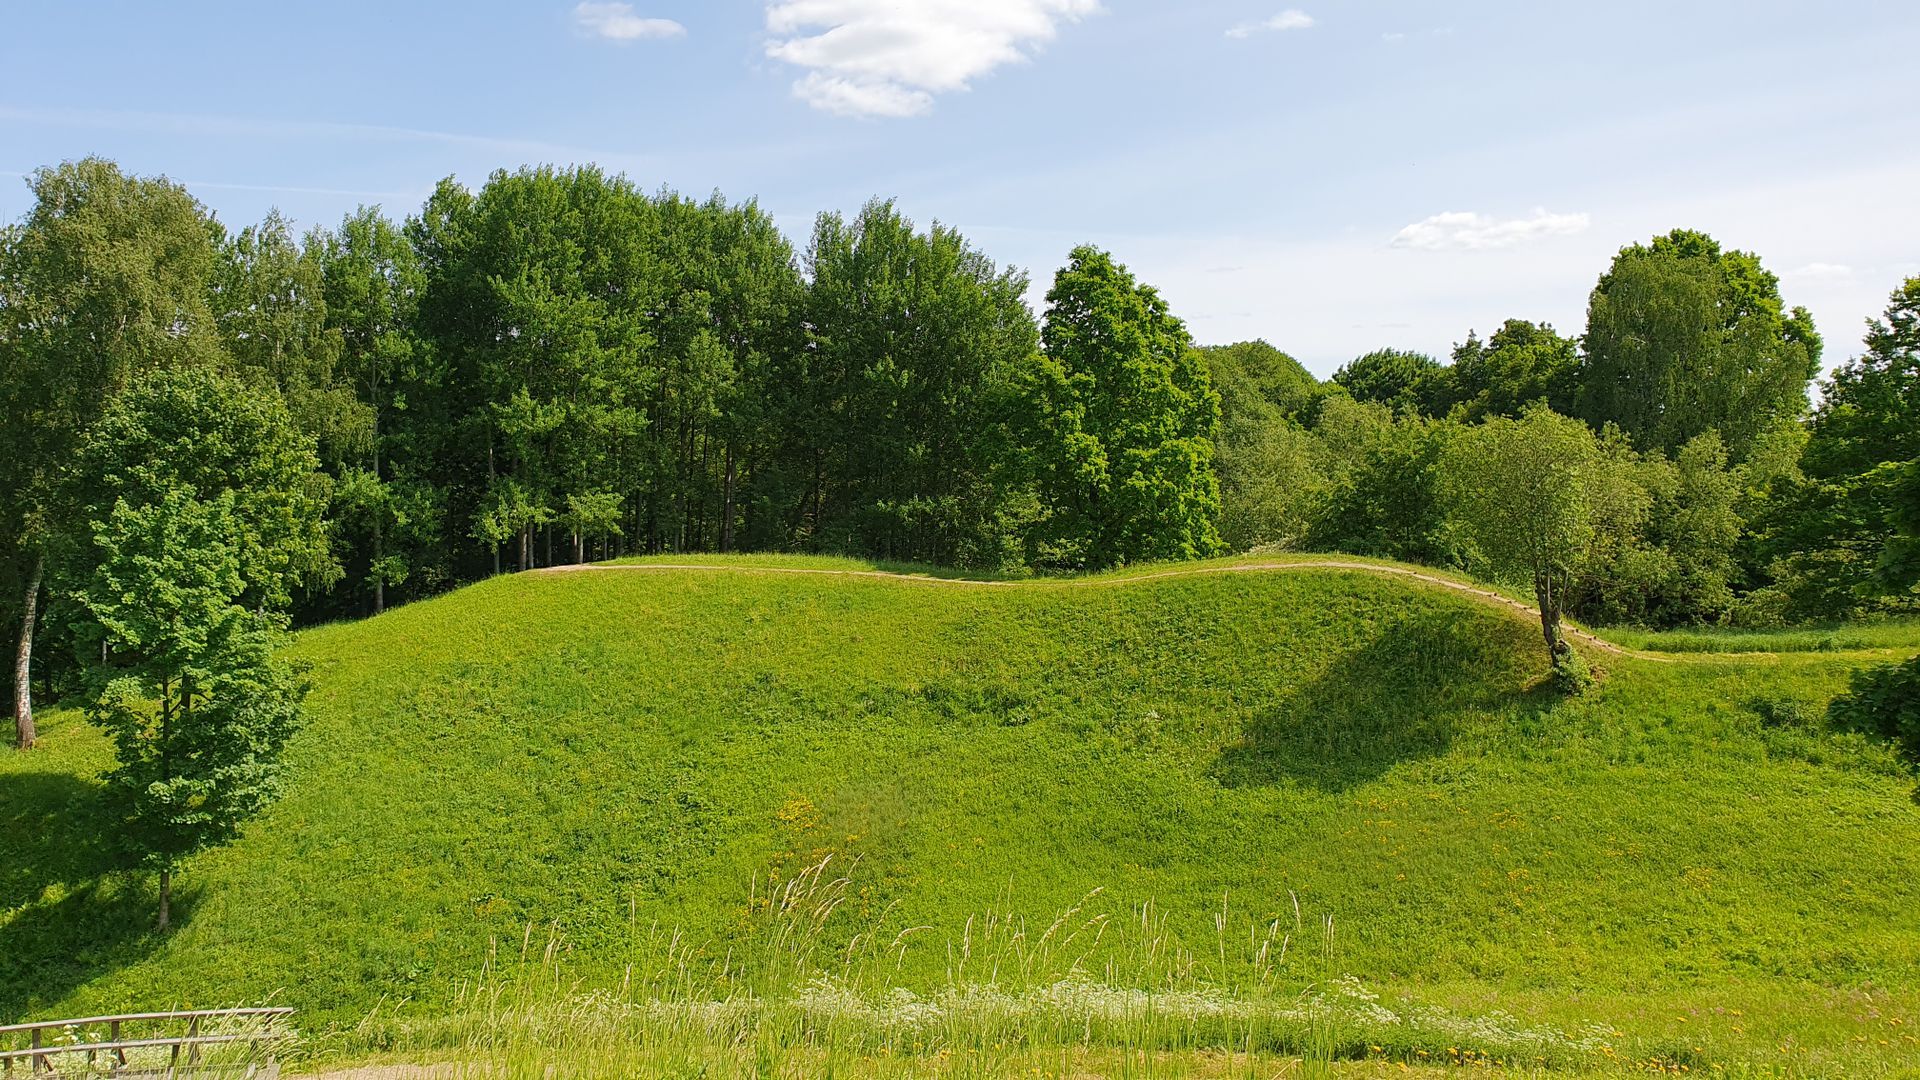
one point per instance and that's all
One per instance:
(558, 367)
(210, 436)
(1709, 488)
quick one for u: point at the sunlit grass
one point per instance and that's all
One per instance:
(1896, 635)
(620, 760)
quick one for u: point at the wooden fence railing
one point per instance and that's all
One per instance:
(46, 1054)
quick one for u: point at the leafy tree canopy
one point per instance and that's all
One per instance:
(1406, 382)
(203, 517)
(1522, 364)
(1123, 417)
(1684, 337)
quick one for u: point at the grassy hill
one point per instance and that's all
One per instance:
(1684, 856)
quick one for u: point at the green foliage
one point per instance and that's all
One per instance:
(198, 490)
(1683, 338)
(1571, 675)
(211, 437)
(1268, 464)
(1408, 383)
(1539, 502)
(1884, 701)
(1521, 365)
(1257, 369)
(270, 306)
(598, 753)
(389, 511)
(1828, 531)
(1271, 485)
(1385, 496)
(106, 277)
(1899, 568)
(1121, 421)
(1671, 559)
(915, 340)
(580, 337)
(196, 705)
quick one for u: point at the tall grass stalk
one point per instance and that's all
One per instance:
(815, 993)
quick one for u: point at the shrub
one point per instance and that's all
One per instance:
(1785, 712)
(1571, 675)
(1885, 701)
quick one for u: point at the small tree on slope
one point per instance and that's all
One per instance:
(1536, 499)
(198, 496)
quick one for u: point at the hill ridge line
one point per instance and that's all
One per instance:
(1486, 596)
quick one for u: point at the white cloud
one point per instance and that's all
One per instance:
(886, 58)
(1290, 19)
(856, 97)
(617, 22)
(1462, 231)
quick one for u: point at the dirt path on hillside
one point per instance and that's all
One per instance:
(1485, 596)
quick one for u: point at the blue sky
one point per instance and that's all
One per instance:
(1332, 175)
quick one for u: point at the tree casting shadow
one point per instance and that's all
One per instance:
(66, 915)
(1400, 696)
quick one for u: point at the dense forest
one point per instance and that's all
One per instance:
(561, 367)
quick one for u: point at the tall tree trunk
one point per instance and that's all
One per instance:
(490, 479)
(166, 774)
(166, 899)
(24, 732)
(380, 514)
(379, 571)
(1549, 603)
(726, 503)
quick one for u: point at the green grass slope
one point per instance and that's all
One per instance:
(592, 754)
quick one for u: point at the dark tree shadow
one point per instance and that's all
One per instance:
(1399, 696)
(53, 831)
(51, 949)
(67, 915)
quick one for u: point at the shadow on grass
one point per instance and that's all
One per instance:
(52, 826)
(66, 916)
(50, 949)
(1400, 696)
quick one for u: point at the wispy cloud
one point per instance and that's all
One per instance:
(888, 59)
(1462, 231)
(1290, 19)
(617, 22)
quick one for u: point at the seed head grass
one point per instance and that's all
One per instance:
(812, 824)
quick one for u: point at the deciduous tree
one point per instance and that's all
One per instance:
(1522, 364)
(1534, 498)
(105, 278)
(203, 520)
(1409, 383)
(1123, 418)
(1684, 337)
(1827, 533)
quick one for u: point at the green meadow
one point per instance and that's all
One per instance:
(1315, 813)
